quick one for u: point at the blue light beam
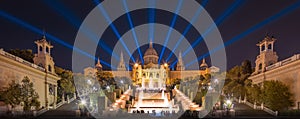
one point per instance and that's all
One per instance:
(225, 15)
(271, 19)
(53, 38)
(73, 20)
(109, 21)
(195, 17)
(133, 31)
(170, 30)
(151, 18)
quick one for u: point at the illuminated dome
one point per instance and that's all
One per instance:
(150, 55)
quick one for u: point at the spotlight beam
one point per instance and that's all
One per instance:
(51, 37)
(224, 15)
(109, 21)
(151, 20)
(220, 19)
(133, 31)
(195, 17)
(271, 19)
(73, 20)
(170, 29)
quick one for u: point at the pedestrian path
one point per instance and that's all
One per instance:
(243, 110)
(66, 110)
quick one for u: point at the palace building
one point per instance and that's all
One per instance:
(151, 73)
(267, 67)
(41, 72)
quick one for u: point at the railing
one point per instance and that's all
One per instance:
(283, 62)
(41, 111)
(274, 113)
(249, 104)
(60, 104)
(18, 59)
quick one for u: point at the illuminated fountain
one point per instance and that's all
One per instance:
(151, 95)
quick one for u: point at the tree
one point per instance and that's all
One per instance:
(65, 84)
(24, 93)
(24, 54)
(105, 79)
(246, 67)
(237, 80)
(277, 96)
(104, 75)
(255, 93)
(28, 95)
(11, 94)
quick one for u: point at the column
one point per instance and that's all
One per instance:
(55, 96)
(46, 95)
(260, 49)
(63, 98)
(272, 47)
(266, 46)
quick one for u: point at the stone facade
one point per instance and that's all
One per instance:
(151, 62)
(268, 68)
(44, 79)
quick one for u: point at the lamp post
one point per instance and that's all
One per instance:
(136, 65)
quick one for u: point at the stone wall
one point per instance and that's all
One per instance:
(15, 68)
(288, 73)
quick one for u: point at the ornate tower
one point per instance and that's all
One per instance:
(267, 56)
(43, 57)
(203, 66)
(98, 66)
(180, 65)
(121, 66)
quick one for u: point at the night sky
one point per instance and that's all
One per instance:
(50, 16)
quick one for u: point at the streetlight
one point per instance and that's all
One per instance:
(136, 65)
(83, 102)
(166, 65)
(228, 102)
(89, 81)
(228, 106)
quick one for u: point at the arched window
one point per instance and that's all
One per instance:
(263, 47)
(47, 50)
(260, 66)
(41, 48)
(51, 89)
(49, 68)
(270, 46)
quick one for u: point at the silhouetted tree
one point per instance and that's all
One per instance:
(24, 54)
